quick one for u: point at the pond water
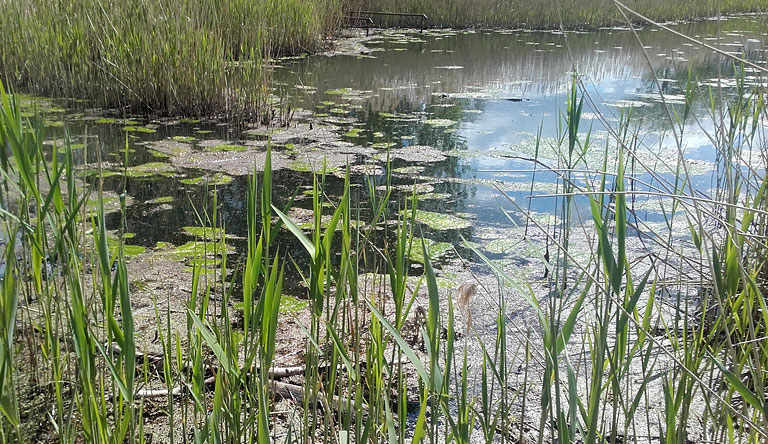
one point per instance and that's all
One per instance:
(458, 110)
(482, 97)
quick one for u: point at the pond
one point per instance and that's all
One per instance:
(459, 113)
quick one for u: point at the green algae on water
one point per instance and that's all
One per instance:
(383, 145)
(194, 249)
(222, 148)
(409, 170)
(292, 305)
(501, 246)
(434, 196)
(354, 133)
(158, 154)
(138, 129)
(95, 172)
(161, 200)
(338, 92)
(441, 222)
(204, 232)
(439, 123)
(436, 250)
(151, 169)
(129, 250)
(216, 179)
(300, 166)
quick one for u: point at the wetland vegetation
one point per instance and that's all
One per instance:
(543, 14)
(505, 236)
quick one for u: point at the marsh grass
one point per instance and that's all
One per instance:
(605, 347)
(210, 58)
(171, 57)
(545, 14)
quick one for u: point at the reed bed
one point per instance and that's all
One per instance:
(610, 358)
(208, 58)
(169, 57)
(546, 14)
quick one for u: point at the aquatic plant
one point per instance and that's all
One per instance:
(543, 14)
(168, 57)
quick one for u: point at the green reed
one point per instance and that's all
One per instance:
(209, 58)
(544, 14)
(173, 57)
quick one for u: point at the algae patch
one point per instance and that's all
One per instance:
(208, 233)
(441, 222)
(221, 148)
(148, 170)
(161, 200)
(439, 123)
(436, 250)
(216, 179)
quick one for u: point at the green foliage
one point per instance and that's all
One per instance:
(542, 14)
(199, 58)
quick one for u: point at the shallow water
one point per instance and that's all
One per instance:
(458, 110)
(482, 97)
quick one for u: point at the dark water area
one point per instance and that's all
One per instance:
(460, 111)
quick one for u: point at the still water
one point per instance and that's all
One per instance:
(461, 113)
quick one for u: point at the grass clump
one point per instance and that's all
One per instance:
(167, 57)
